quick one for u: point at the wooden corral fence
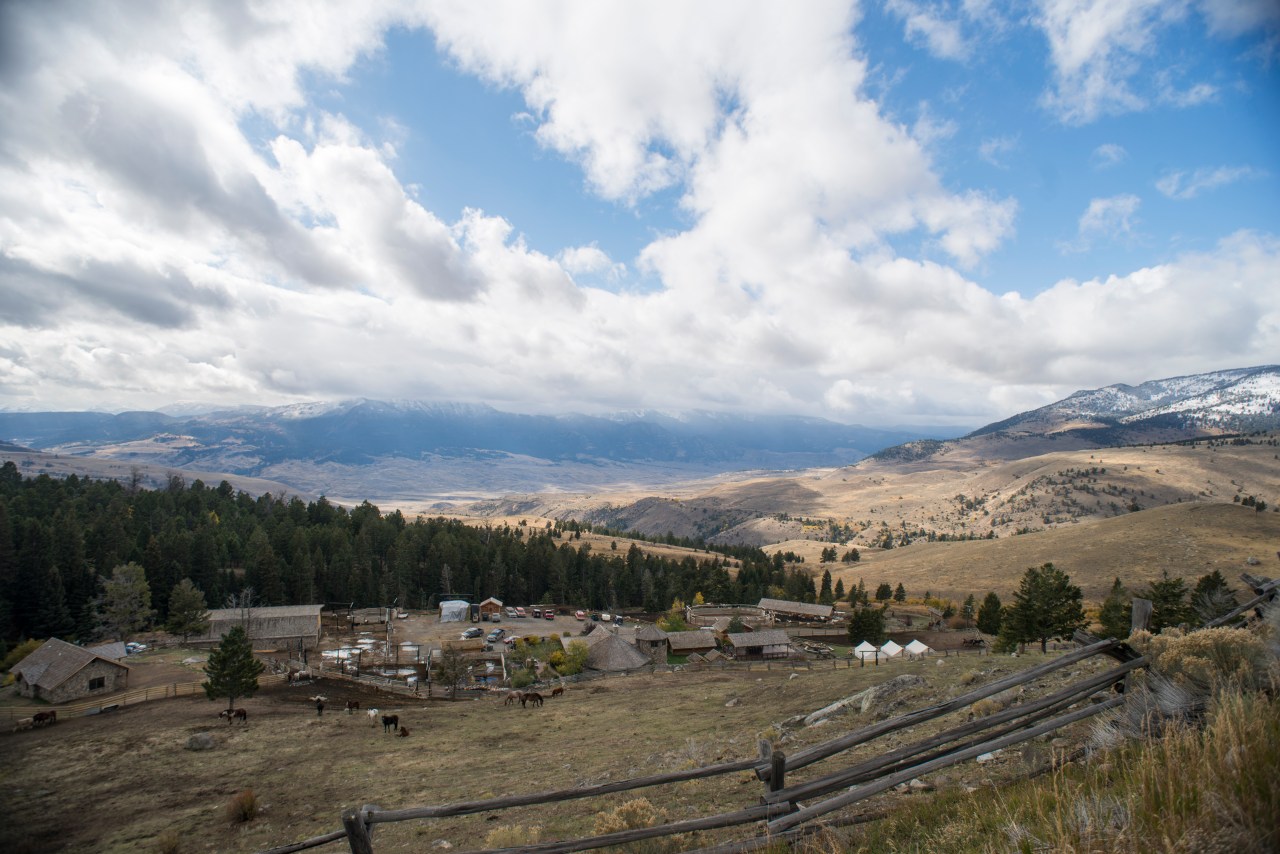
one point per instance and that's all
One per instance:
(128, 698)
(786, 809)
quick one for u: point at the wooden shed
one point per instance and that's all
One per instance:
(770, 643)
(684, 643)
(59, 672)
(652, 641)
(787, 610)
(489, 607)
(291, 627)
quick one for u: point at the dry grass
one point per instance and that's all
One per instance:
(242, 807)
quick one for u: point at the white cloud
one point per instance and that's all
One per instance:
(1182, 185)
(995, 150)
(1109, 154)
(1111, 217)
(926, 24)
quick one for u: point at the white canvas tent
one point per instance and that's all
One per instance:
(890, 649)
(915, 649)
(454, 611)
(864, 651)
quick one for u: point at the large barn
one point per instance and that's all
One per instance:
(288, 627)
(59, 672)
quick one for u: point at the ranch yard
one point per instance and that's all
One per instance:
(127, 780)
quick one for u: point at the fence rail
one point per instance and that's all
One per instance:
(128, 698)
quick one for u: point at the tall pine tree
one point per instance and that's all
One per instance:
(232, 670)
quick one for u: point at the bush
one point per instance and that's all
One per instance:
(633, 815)
(513, 836)
(168, 842)
(1209, 660)
(557, 659)
(243, 807)
(986, 706)
(521, 678)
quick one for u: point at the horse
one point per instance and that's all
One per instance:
(233, 715)
(373, 717)
(530, 697)
(513, 696)
(557, 691)
(23, 724)
(353, 706)
(44, 718)
(404, 732)
(390, 723)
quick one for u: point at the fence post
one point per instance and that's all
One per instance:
(359, 830)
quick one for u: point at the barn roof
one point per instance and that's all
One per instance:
(768, 637)
(55, 662)
(650, 632)
(267, 612)
(493, 601)
(800, 609)
(114, 650)
(697, 639)
(613, 653)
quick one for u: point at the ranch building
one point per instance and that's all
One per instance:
(782, 609)
(770, 643)
(700, 641)
(489, 607)
(60, 672)
(652, 641)
(708, 616)
(285, 627)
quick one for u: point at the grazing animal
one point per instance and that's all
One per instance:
(44, 719)
(530, 697)
(373, 717)
(404, 732)
(513, 696)
(390, 723)
(233, 715)
(557, 691)
(353, 706)
(23, 724)
(319, 698)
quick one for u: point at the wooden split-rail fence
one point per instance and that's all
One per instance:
(788, 810)
(791, 810)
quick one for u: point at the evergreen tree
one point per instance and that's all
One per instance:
(867, 624)
(1115, 613)
(839, 591)
(825, 595)
(969, 610)
(125, 606)
(187, 612)
(51, 617)
(900, 594)
(884, 592)
(232, 670)
(1046, 605)
(990, 614)
(1211, 597)
(851, 556)
(1169, 605)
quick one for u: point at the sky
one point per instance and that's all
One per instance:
(887, 212)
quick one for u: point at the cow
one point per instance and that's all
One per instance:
(390, 723)
(233, 715)
(44, 719)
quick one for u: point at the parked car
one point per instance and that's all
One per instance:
(495, 618)
(605, 618)
(510, 612)
(131, 647)
(537, 613)
(473, 632)
(581, 615)
(494, 635)
(520, 612)
(550, 614)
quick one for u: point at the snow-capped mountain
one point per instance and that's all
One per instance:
(1232, 401)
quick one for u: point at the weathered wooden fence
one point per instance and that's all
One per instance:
(128, 698)
(785, 808)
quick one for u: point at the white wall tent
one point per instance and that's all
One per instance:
(890, 649)
(915, 649)
(454, 611)
(865, 650)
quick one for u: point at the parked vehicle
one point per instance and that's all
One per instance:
(581, 615)
(131, 647)
(537, 613)
(473, 632)
(520, 613)
(495, 618)
(549, 614)
(510, 612)
(495, 635)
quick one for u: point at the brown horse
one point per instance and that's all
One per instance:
(353, 706)
(233, 715)
(44, 718)
(530, 697)
(390, 723)
(513, 696)
(557, 691)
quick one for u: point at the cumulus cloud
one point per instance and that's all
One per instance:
(1110, 217)
(1183, 185)
(932, 26)
(1108, 154)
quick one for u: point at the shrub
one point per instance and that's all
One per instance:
(168, 842)
(557, 659)
(521, 679)
(243, 807)
(986, 706)
(513, 836)
(969, 678)
(636, 814)
(20, 652)
(1209, 660)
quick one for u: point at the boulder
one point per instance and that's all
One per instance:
(201, 741)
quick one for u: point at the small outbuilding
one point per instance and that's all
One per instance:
(489, 607)
(784, 609)
(60, 672)
(613, 654)
(652, 641)
(700, 641)
(770, 643)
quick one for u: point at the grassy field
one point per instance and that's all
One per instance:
(127, 782)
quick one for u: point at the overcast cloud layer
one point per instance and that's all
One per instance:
(181, 221)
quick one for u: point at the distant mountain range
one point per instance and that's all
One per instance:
(1242, 400)
(364, 448)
